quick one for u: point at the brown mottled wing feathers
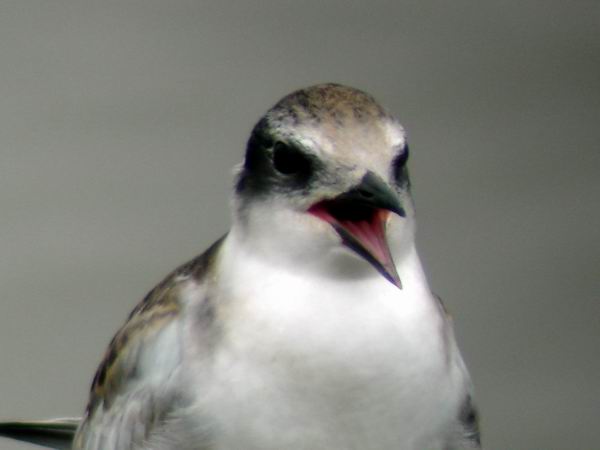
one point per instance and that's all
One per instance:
(144, 325)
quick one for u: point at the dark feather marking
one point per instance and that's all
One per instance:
(331, 103)
(161, 304)
(57, 434)
(260, 178)
(400, 169)
(469, 418)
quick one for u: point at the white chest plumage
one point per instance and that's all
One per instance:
(315, 363)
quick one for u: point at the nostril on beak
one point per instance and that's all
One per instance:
(365, 193)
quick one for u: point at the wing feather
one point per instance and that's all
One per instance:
(135, 391)
(57, 433)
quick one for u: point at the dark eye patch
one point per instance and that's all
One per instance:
(275, 165)
(290, 160)
(399, 169)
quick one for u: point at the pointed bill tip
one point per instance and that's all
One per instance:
(365, 236)
(390, 273)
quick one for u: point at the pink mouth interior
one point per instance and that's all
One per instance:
(368, 229)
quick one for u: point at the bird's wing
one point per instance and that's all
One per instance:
(467, 436)
(469, 421)
(135, 393)
(57, 433)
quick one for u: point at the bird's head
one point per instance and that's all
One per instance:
(325, 177)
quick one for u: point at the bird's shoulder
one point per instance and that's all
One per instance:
(140, 364)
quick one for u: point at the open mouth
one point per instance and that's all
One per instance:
(362, 228)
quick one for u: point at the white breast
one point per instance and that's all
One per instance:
(308, 363)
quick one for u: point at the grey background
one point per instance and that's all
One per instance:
(120, 122)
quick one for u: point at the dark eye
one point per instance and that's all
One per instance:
(289, 160)
(399, 165)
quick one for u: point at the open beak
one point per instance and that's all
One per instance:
(360, 216)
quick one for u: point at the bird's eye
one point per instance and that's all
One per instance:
(399, 165)
(289, 160)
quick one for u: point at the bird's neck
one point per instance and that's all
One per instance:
(339, 266)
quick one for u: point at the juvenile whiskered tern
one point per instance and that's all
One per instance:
(310, 325)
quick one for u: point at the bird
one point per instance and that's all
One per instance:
(309, 325)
